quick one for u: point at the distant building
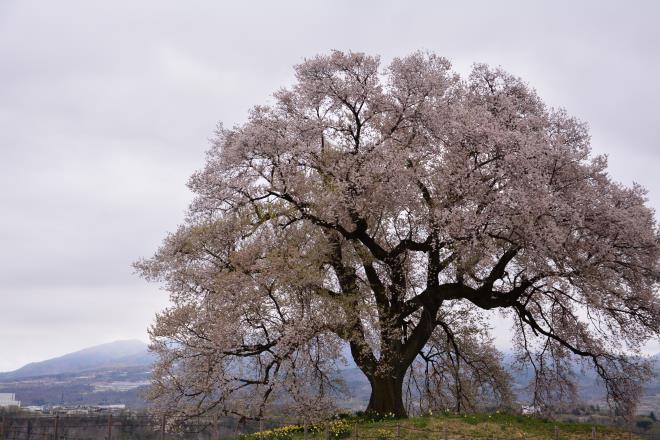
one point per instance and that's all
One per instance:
(84, 409)
(110, 407)
(530, 409)
(8, 400)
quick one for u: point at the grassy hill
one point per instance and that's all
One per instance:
(480, 426)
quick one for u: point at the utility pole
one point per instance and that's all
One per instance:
(216, 428)
(57, 427)
(110, 426)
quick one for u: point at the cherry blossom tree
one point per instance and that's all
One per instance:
(387, 209)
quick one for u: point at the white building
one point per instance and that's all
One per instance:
(8, 399)
(530, 409)
(116, 407)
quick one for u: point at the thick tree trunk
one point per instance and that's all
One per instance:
(387, 395)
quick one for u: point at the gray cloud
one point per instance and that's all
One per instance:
(106, 108)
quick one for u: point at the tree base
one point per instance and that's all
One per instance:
(387, 397)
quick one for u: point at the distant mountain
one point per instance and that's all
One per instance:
(114, 355)
(119, 372)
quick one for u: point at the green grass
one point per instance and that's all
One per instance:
(472, 426)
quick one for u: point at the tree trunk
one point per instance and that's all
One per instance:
(387, 395)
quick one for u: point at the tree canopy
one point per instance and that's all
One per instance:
(385, 209)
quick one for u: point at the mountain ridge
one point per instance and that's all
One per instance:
(111, 355)
(116, 372)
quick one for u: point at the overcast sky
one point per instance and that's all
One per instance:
(106, 108)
